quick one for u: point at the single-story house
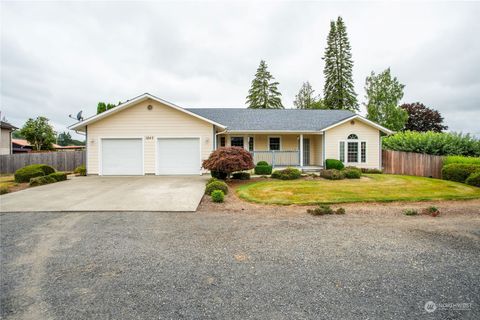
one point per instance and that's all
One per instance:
(148, 135)
(6, 137)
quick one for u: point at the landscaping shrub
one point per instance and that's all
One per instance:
(352, 173)
(287, 174)
(367, 170)
(226, 160)
(436, 143)
(38, 181)
(218, 196)
(332, 174)
(410, 212)
(458, 171)
(431, 211)
(334, 164)
(212, 179)
(262, 169)
(58, 176)
(241, 175)
(4, 190)
(216, 185)
(262, 163)
(80, 170)
(340, 211)
(320, 210)
(35, 170)
(474, 179)
(461, 159)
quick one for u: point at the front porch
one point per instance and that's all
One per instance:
(303, 151)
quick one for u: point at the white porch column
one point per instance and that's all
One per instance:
(301, 150)
(245, 142)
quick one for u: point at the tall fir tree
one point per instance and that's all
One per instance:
(338, 91)
(264, 93)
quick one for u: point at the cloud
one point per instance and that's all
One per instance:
(65, 57)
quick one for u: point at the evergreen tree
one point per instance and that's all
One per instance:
(264, 93)
(383, 96)
(338, 91)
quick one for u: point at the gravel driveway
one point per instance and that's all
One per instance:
(274, 264)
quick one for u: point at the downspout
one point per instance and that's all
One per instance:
(323, 149)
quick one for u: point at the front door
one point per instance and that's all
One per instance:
(306, 152)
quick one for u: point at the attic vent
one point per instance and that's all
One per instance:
(149, 107)
(352, 122)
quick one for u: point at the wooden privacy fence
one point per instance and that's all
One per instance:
(62, 161)
(413, 164)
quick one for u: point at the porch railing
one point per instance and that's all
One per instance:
(277, 158)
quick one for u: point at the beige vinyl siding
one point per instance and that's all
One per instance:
(364, 132)
(5, 141)
(139, 122)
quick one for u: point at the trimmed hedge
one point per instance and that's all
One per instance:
(352, 173)
(287, 174)
(241, 175)
(212, 179)
(80, 170)
(367, 170)
(218, 196)
(458, 171)
(216, 185)
(461, 159)
(262, 163)
(38, 181)
(474, 179)
(35, 170)
(334, 164)
(263, 169)
(58, 176)
(332, 174)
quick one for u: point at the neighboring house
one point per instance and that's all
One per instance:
(23, 146)
(148, 135)
(6, 137)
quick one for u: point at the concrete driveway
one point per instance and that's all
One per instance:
(146, 193)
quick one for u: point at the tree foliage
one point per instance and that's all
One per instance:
(264, 93)
(339, 91)
(436, 143)
(39, 133)
(65, 139)
(383, 96)
(306, 99)
(102, 107)
(229, 159)
(422, 118)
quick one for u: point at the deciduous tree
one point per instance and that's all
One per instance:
(39, 133)
(422, 118)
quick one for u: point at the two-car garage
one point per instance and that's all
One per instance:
(173, 156)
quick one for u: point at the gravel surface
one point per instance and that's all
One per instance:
(249, 262)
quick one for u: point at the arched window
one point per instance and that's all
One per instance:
(353, 136)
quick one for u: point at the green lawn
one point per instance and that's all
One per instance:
(372, 187)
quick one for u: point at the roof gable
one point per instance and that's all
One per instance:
(80, 126)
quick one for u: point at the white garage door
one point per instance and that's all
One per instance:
(178, 156)
(122, 157)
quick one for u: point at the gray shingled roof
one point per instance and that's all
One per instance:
(238, 119)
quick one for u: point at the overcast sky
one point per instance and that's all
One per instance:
(58, 58)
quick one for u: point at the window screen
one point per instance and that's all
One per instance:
(352, 152)
(274, 143)
(364, 151)
(236, 142)
(250, 143)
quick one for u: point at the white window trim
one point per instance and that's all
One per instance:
(268, 142)
(359, 154)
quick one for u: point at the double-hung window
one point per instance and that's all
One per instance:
(251, 144)
(274, 143)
